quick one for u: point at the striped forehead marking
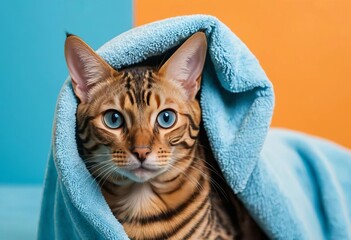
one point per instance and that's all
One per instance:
(138, 85)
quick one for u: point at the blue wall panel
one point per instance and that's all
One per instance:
(32, 70)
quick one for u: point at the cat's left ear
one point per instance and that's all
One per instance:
(186, 64)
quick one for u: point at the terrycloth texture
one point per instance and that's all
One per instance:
(295, 186)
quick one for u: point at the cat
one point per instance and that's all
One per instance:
(138, 131)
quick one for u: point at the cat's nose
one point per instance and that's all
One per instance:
(141, 152)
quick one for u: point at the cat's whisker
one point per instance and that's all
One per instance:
(93, 159)
(207, 166)
(102, 167)
(101, 176)
(97, 167)
(99, 164)
(198, 167)
(216, 185)
(210, 168)
(194, 181)
(93, 155)
(107, 175)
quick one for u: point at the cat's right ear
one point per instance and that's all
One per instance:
(85, 66)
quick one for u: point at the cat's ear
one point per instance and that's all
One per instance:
(186, 64)
(85, 66)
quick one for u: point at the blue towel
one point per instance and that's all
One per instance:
(295, 186)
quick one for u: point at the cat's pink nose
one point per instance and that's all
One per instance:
(141, 152)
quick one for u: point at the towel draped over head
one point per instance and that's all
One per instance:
(295, 186)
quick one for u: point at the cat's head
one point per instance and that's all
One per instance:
(138, 123)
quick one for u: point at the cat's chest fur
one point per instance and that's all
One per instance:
(131, 202)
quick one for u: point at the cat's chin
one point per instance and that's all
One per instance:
(142, 174)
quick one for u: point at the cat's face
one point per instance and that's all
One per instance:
(138, 123)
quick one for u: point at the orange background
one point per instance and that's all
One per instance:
(304, 47)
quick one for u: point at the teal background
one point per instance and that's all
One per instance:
(33, 68)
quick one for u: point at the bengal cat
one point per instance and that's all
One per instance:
(138, 131)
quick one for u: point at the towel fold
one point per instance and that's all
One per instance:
(295, 186)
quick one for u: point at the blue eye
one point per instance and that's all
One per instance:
(166, 118)
(113, 119)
